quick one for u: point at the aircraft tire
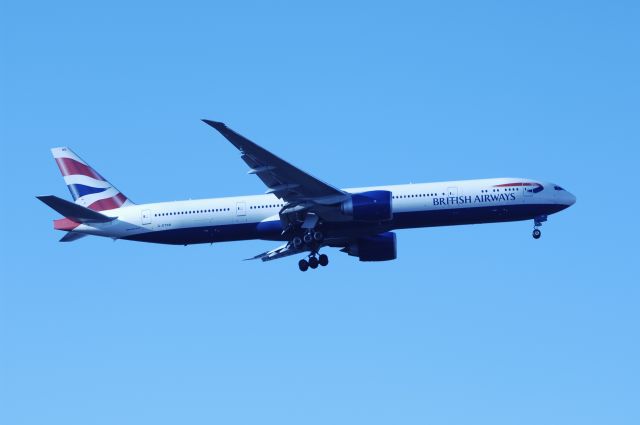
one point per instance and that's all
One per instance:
(323, 260)
(303, 265)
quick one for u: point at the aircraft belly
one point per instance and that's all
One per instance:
(473, 215)
(204, 234)
(272, 230)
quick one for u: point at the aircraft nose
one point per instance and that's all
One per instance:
(571, 199)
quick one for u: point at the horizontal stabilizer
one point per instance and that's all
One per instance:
(72, 236)
(73, 211)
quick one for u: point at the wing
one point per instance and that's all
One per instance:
(282, 179)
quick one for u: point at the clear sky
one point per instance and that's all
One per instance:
(474, 324)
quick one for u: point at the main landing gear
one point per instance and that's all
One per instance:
(537, 222)
(314, 262)
(308, 238)
(311, 241)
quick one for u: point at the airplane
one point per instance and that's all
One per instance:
(303, 212)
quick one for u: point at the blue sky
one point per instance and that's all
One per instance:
(474, 324)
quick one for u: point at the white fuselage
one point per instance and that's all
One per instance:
(257, 216)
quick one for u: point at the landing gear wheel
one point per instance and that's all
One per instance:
(308, 238)
(303, 265)
(318, 236)
(313, 262)
(537, 233)
(297, 241)
(323, 260)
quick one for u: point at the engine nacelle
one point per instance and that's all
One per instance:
(374, 205)
(380, 247)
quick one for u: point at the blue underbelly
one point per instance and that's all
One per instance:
(401, 220)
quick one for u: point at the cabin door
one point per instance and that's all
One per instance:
(241, 212)
(146, 217)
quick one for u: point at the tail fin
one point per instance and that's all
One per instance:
(88, 188)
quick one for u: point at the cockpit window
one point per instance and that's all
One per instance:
(558, 188)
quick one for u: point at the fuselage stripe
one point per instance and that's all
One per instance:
(70, 166)
(108, 203)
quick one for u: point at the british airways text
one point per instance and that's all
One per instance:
(460, 200)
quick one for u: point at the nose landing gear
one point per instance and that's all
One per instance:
(537, 222)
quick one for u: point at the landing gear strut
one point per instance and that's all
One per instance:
(537, 222)
(311, 240)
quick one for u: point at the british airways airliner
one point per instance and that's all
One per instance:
(303, 212)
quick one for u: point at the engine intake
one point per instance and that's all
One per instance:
(380, 247)
(374, 205)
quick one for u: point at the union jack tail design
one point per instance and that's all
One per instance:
(86, 185)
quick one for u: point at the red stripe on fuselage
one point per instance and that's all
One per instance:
(515, 184)
(70, 167)
(109, 203)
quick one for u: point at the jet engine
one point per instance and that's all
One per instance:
(374, 205)
(380, 247)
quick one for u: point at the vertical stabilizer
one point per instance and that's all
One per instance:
(88, 188)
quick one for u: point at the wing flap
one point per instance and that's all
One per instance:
(276, 253)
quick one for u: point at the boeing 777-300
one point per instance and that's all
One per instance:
(303, 212)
